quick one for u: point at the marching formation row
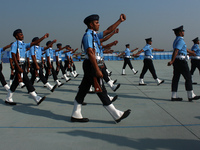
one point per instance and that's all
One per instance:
(31, 57)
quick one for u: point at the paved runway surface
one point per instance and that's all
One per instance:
(155, 123)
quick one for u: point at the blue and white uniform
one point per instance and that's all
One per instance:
(20, 47)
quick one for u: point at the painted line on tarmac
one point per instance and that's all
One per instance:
(111, 127)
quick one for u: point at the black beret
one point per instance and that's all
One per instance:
(196, 40)
(59, 44)
(148, 39)
(68, 46)
(48, 43)
(35, 39)
(16, 32)
(179, 29)
(127, 45)
(90, 18)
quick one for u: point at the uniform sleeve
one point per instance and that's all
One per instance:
(47, 53)
(28, 45)
(42, 48)
(179, 45)
(1, 49)
(100, 35)
(87, 41)
(10, 55)
(14, 48)
(145, 48)
(56, 53)
(194, 48)
(32, 51)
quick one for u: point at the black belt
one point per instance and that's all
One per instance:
(182, 54)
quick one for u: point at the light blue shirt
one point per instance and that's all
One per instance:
(148, 50)
(196, 49)
(37, 51)
(90, 37)
(101, 51)
(49, 53)
(179, 44)
(1, 50)
(10, 54)
(21, 46)
(127, 52)
(28, 55)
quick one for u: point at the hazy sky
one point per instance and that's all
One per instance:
(63, 20)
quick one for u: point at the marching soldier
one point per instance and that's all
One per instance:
(2, 78)
(180, 66)
(58, 54)
(195, 60)
(18, 50)
(36, 66)
(127, 59)
(49, 59)
(148, 63)
(92, 70)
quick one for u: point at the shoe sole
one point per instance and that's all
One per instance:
(117, 87)
(43, 98)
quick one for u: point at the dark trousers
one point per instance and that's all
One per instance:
(3, 81)
(195, 63)
(127, 61)
(61, 68)
(74, 67)
(66, 64)
(11, 75)
(33, 73)
(52, 70)
(25, 78)
(87, 81)
(148, 65)
(105, 74)
(181, 68)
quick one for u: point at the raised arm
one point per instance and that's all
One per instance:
(134, 49)
(7, 46)
(74, 50)
(115, 25)
(54, 41)
(110, 45)
(139, 52)
(109, 36)
(39, 40)
(121, 54)
(156, 49)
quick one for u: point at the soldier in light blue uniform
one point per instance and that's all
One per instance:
(74, 73)
(92, 70)
(18, 50)
(180, 66)
(12, 68)
(148, 63)
(58, 54)
(69, 63)
(36, 66)
(195, 60)
(49, 59)
(127, 59)
(2, 78)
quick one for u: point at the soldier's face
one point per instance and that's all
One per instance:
(20, 36)
(95, 25)
(182, 33)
